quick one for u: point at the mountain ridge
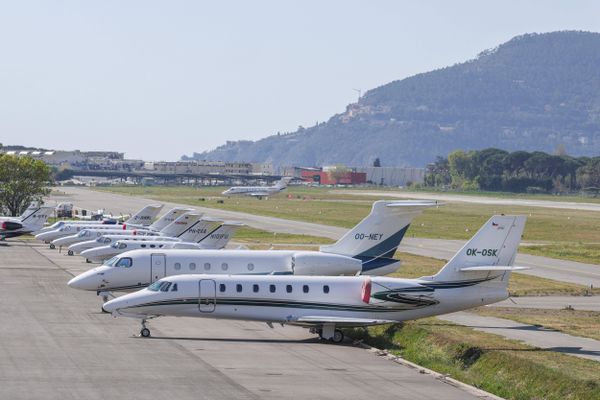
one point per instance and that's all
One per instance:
(534, 92)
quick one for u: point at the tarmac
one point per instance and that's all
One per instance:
(57, 344)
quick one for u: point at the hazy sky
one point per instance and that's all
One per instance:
(158, 79)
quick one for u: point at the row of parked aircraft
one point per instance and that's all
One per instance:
(341, 285)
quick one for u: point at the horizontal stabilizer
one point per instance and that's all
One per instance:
(343, 321)
(492, 268)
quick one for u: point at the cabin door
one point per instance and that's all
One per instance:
(207, 295)
(158, 269)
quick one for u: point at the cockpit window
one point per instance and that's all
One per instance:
(111, 261)
(155, 286)
(100, 240)
(122, 246)
(82, 233)
(164, 287)
(124, 262)
(106, 240)
(174, 288)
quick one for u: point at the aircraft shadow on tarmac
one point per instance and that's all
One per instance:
(233, 340)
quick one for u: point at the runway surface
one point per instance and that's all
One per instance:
(532, 335)
(486, 200)
(562, 270)
(56, 344)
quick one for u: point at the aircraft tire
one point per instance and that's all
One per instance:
(52, 247)
(70, 252)
(338, 336)
(145, 332)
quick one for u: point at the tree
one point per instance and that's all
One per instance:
(22, 180)
(377, 162)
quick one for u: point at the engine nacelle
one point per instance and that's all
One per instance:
(311, 263)
(11, 226)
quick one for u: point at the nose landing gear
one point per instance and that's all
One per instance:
(144, 332)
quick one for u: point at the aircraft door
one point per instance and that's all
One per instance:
(207, 295)
(158, 269)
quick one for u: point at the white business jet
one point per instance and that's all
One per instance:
(258, 191)
(32, 220)
(88, 238)
(477, 275)
(366, 249)
(213, 239)
(144, 217)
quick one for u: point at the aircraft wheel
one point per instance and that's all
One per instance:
(338, 336)
(52, 247)
(145, 332)
(87, 260)
(70, 252)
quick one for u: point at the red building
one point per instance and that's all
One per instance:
(324, 178)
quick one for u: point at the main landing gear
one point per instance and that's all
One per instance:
(328, 332)
(70, 252)
(52, 246)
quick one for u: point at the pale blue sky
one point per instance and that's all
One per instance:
(157, 79)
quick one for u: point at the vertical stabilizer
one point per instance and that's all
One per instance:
(181, 224)
(169, 217)
(201, 229)
(219, 238)
(379, 234)
(493, 248)
(36, 220)
(145, 216)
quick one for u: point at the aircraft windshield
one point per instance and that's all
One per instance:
(100, 240)
(82, 234)
(155, 286)
(111, 262)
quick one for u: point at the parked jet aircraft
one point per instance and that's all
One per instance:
(366, 249)
(258, 191)
(70, 229)
(32, 220)
(185, 226)
(214, 239)
(477, 275)
(142, 218)
(175, 228)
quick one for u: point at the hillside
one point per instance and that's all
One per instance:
(535, 92)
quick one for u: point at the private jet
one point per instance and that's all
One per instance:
(258, 191)
(213, 239)
(477, 275)
(32, 220)
(87, 237)
(366, 249)
(70, 229)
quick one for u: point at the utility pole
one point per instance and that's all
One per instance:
(359, 93)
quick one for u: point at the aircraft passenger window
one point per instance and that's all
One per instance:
(174, 288)
(325, 288)
(152, 246)
(164, 287)
(143, 246)
(288, 288)
(238, 287)
(125, 262)
(255, 288)
(154, 287)
(207, 266)
(250, 267)
(192, 266)
(221, 287)
(305, 288)
(224, 266)
(272, 288)
(122, 246)
(177, 266)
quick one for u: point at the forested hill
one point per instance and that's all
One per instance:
(535, 92)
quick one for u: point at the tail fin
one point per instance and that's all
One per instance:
(36, 220)
(33, 206)
(145, 216)
(169, 217)
(219, 238)
(181, 224)
(200, 230)
(493, 248)
(379, 234)
(283, 182)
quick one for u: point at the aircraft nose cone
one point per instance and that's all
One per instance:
(87, 281)
(111, 305)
